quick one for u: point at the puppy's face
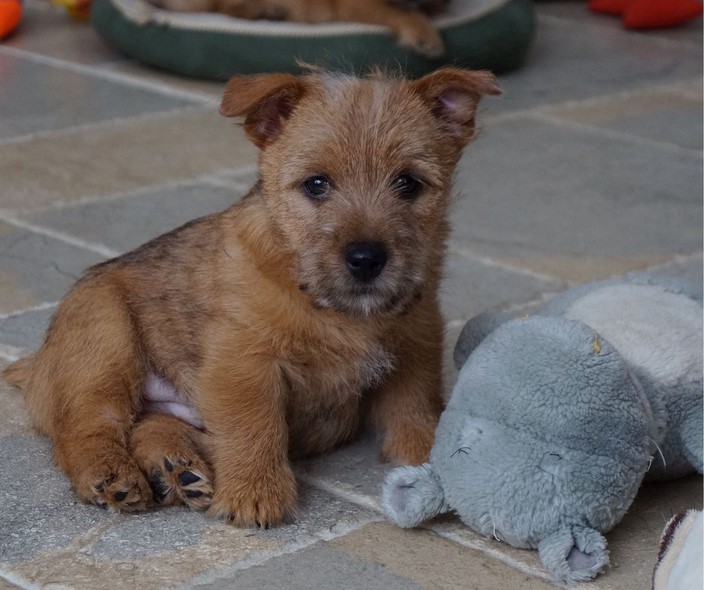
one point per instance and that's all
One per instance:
(356, 176)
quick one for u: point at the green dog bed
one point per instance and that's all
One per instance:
(479, 34)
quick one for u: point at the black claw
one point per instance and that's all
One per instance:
(259, 525)
(119, 496)
(100, 504)
(187, 477)
(193, 493)
(100, 487)
(167, 464)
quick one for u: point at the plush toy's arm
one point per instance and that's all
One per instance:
(474, 331)
(412, 495)
(574, 553)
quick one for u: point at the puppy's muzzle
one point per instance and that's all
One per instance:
(365, 260)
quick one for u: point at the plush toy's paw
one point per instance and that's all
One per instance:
(574, 554)
(412, 495)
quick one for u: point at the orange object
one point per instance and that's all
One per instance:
(10, 16)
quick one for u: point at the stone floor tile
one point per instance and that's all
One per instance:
(353, 471)
(37, 97)
(47, 29)
(321, 566)
(579, 198)
(610, 60)
(431, 561)
(578, 268)
(13, 418)
(39, 512)
(120, 158)
(126, 222)
(25, 331)
(36, 269)
(205, 89)
(471, 287)
(76, 568)
(660, 116)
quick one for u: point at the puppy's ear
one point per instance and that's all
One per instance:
(265, 100)
(453, 95)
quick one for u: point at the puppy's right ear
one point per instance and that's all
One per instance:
(265, 100)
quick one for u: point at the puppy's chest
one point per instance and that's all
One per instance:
(338, 371)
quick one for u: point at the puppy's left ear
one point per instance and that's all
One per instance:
(265, 100)
(453, 95)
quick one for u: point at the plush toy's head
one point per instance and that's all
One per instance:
(543, 444)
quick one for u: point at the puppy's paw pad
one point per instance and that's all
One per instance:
(127, 492)
(182, 480)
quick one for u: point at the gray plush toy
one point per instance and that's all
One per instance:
(555, 420)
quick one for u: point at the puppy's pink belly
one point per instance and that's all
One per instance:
(163, 398)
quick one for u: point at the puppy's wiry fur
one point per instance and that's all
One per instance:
(254, 314)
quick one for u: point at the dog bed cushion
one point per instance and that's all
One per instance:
(479, 34)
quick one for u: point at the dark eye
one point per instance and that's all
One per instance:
(407, 186)
(316, 187)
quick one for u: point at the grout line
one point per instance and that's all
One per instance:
(493, 553)
(106, 75)
(103, 124)
(10, 355)
(104, 251)
(467, 253)
(18, 581)
(39, 307)
(611, 134)
(623, 95)
(136, 192)
(576, 103)
(223, 574)
(358, 499)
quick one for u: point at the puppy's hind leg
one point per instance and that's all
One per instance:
(89, 374)
(171, 452)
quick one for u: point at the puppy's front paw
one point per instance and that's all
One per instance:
(261, 500)
(408, 446)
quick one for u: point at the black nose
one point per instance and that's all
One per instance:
(365, 260)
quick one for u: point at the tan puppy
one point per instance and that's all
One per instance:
(282, 320)
(407, 18)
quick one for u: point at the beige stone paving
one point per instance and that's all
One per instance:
(435, 563)
(617, 107)
(107, 158)
(582, 268)
(75, 567)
